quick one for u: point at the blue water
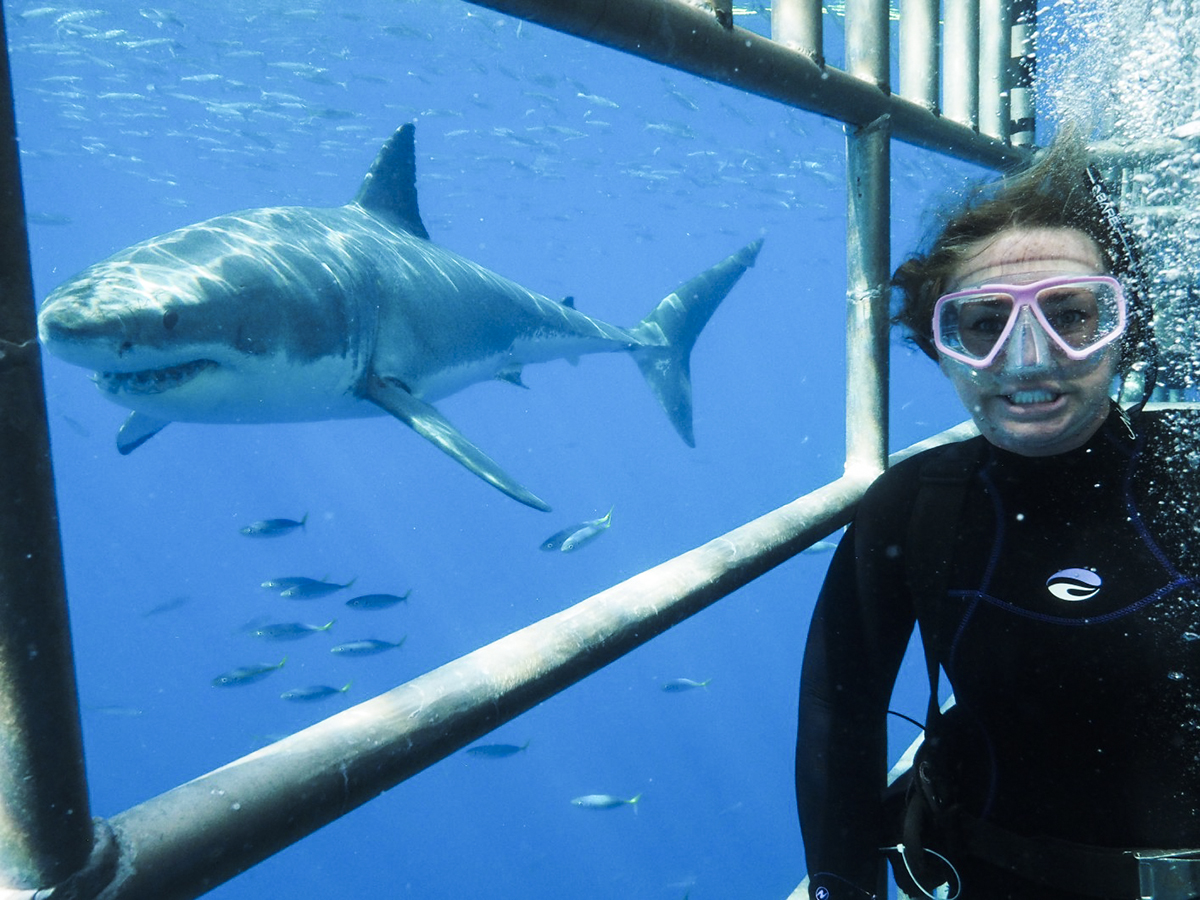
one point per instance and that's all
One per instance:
(576, 171)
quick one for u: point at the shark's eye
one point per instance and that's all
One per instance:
(170, 319)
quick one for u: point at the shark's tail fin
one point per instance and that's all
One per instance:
(667, 335)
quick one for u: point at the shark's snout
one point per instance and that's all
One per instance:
(68, 324)
(91, 319)
(88, 325)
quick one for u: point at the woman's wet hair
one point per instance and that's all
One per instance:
(1060, 189)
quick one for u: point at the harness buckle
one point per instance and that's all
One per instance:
(1167, 875)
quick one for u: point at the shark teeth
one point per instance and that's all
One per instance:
(152, 381)
(1039, 396)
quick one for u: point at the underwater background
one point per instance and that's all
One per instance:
(576, 171)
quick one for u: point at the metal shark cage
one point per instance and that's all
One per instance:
(965, 91)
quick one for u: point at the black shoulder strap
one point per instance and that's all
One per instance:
(931, 529)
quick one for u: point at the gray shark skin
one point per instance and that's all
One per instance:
(293, 314)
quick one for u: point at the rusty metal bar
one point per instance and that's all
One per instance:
(45, 823)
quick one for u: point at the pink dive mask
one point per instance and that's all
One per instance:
(1076, 314)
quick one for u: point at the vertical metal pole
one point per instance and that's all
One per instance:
(960, 62)
(45, 823)
(995, 54)
(1024, 59)
(798, 24)
(920, 49)
(868, 48)
(868, 265)
(868, 236)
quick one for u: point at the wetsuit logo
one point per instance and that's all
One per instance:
(1074, 584)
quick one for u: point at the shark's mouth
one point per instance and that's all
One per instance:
(152, 381)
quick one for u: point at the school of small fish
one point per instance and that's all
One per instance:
(303, 588)
(306, 588)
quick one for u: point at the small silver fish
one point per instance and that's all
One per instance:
(273, 527)
(288, 631)
(311, 589)
(377, 601)
(247, 674)
(313, 693)
(367, 647)
(598, 100)
(679, 685)
(496, 751)
(282, 584)
(167, 606)
(604, 801)
(123, 712)
(576, 536)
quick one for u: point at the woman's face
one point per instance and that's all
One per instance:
(1033, 400)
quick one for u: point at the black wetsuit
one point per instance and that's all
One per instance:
(1080, 689)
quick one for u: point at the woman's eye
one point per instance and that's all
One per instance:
(1069, 317)
(986, 324)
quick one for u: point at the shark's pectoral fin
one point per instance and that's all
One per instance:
(433, 426)
(138, 429)
(512, 374)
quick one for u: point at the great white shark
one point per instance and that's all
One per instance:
(294, 314)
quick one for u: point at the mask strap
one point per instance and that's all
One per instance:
(1127, 261)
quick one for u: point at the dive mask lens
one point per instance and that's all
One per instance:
(1078, 313)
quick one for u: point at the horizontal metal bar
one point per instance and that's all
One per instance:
(188, 840)
(688, 38)
(1143, 151)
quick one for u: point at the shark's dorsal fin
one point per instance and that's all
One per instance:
(390, 188)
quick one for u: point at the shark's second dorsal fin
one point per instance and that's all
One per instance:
(390, 188)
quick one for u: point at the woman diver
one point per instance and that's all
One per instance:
(1051, 565)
